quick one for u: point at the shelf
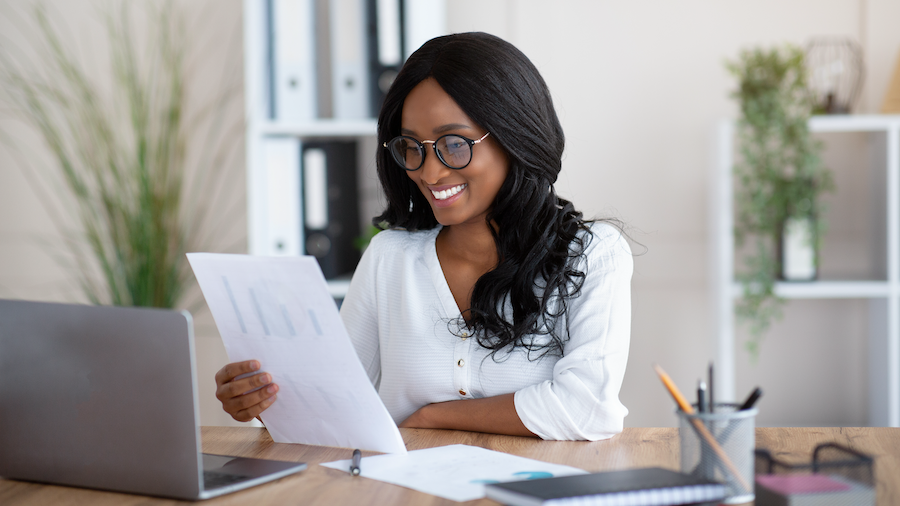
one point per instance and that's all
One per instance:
(853, 123)
(321, 128)
(826, 290)
(883, 296)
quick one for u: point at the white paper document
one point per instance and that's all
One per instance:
(278, 310)
(455, 472)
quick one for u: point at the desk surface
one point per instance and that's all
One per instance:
(635, 447)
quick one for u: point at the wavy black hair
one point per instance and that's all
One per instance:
(538, 243)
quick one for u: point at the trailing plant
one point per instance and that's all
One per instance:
(121, 152)
(779, 173)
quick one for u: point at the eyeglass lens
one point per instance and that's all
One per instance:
(454, 151)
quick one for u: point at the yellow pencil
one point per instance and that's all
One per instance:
(698, 424)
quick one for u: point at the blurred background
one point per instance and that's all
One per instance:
(640, 88)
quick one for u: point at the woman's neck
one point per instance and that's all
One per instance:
(472, 243)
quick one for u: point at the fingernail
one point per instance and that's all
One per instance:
(272, 389)
(265, 378)
(254, 365)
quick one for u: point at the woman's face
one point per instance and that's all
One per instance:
(457, 196)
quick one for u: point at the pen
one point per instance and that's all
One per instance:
(751, 399)
(712, 398)
(699, 427)
(354, 465)
(701, 397)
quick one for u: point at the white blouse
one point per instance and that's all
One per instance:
(402, 319)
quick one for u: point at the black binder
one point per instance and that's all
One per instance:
(382, 73)
(329, 229)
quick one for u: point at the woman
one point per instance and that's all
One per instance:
(489, 304)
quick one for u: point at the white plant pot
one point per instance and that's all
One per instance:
(798, 253)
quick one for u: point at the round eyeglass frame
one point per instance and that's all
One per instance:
(421, 144)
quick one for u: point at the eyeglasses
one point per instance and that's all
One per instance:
(454, 151)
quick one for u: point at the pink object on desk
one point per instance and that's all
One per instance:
(800, 483)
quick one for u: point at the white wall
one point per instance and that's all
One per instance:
(638, 87)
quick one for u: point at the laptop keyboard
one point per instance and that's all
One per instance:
(212, 479)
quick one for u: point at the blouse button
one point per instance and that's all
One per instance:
(460, 362)
(462, 392)
(464, 335)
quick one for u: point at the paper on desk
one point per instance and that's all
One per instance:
(455, 472)
(278, 310)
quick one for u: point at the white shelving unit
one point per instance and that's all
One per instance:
(883, 295)
(281, 233)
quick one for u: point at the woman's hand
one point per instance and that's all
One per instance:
(246, 397)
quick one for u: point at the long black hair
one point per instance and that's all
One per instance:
(537, 234)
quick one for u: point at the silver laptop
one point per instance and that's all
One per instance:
(106, 397)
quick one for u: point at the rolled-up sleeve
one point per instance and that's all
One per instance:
(581, 400)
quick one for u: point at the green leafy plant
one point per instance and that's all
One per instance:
(779, 175)
(121, 152)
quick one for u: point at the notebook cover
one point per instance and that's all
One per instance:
(812, 490)
(625, 483)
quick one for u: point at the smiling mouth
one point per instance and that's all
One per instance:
(449, 192)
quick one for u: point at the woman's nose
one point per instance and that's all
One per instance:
(433, 170)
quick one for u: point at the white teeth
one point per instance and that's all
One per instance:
(445, 194)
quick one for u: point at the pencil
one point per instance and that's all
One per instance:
(698, 425)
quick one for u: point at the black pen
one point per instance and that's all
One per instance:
(354, 464)
(751, 399)
(712, 398)
(701, 397)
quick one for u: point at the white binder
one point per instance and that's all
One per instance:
(282, 190)
(426, 19)
(390, 52)
(294, 56)
(315, 184)
(349, 63)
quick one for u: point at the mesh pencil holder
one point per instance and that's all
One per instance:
(719, 446)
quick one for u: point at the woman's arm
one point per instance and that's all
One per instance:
(495, 415)
(581, 400)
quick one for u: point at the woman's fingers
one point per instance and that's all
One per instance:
(242, 386)
(245, 415)
(241, 402)
(235, 369)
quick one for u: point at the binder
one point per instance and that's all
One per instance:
(281, 156)
(385, 43)
(331, 212)
(422, 21)
(293, 56)
(349, 63)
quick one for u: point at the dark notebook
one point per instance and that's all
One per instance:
(634, 487)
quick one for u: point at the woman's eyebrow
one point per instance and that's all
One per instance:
(452, 126)
(439, 130)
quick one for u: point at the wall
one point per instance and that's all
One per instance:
(638, 87)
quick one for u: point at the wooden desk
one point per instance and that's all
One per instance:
(636, 447)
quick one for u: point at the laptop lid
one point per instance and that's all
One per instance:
(101, 397)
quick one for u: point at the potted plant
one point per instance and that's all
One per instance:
(121, 153)
(780, 179)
